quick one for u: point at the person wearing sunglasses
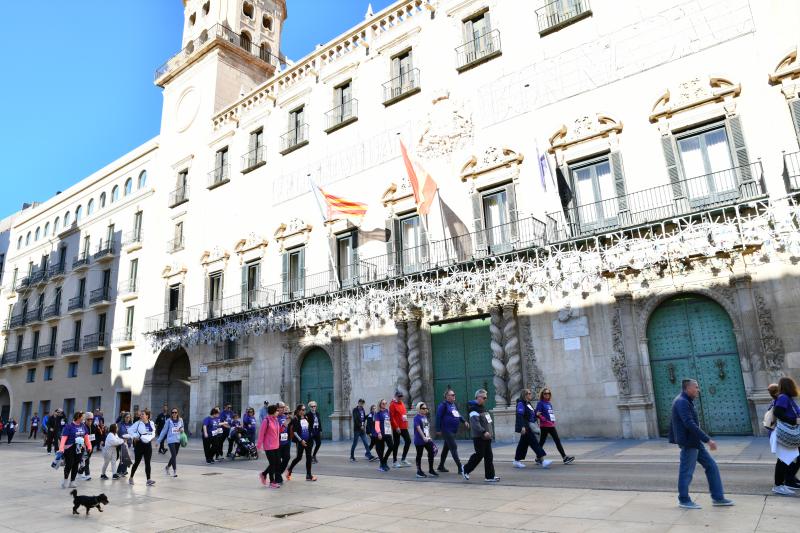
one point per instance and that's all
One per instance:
(422, 439)
(301, 433)
(480, 425)
(547, 423)
(528, 428)
(171, 433)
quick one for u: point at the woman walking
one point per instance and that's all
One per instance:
(74, 438)
(95, 435)
(300, 431)
(143, 433)
(110, 450)
(269, 441)
(11, 429)
(172, 431)
(547, 423)
(211, 430)
(422, 439)
(785, 411)
(369, 427)
(124, 455)
(382, 431)
(527, 427)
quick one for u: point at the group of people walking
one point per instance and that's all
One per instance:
(387, 424)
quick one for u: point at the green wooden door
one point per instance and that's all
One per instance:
(692, 337)
(316, 383)
(462, 361)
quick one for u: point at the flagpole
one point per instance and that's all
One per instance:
(315, 193)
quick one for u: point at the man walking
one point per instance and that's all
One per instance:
(34, 426)
(685, 431)
(448, 419)
(161, 419)
(359, 419)
(480, 425)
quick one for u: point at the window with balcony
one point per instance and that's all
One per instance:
(297, 135)
(97, 366)
(707, 165)
(293, 273)
(30, 377)
(133, 275)
(495, 219)
(214, 294)
(220, 174)
(226, 350)
(345, 108)
(347, 259)
(481, 43)
(53, 340)
(252, 295)
(135, 235)
(256, 155)
(181, 192)
(72, 370)
(48, 373)
(129, 316)
(595, 194)
(557, 14)
(174, 305)
(404, 80)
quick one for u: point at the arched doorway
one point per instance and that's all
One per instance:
(691, 336)
(171, 383)
(5, 403)
(316, 383)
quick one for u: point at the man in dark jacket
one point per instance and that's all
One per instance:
(359, 420)
(161, 420)
(685, 431)
(54, 425)
(480, 425)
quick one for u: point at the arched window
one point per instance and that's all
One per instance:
(115, 194)
(267, 22)
(66, 219)
(37, 234)
(19, 242)
(46, 229)
(78, 213)
(206, 8)
(90, 207)
(247, 10)
(128, 186)
(192, 19)
(265, 51)
(245, 41)
(56, 225)
(28, 239)
(102, 200)
(142, 179)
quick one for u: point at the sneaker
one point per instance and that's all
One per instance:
(518, 464)
(790, 489)
(404, 463)
(568, 460)
(311, 478)
(442, 469)
(383, 468)
(64, 484)
(210, 462)
(87, 477)
(373, 458)
(724, 502)
(397, 464)
(465, 475)
(352, 459)
(313, 460)
(166, 470)
(174, 474)
(792, 484)
(130, 481)
(115, 476)
(289, 475)
(494, 479)
(104, 477)
(782, 490)
(274, 486)
(689, 505)
(544, 463)
(263, 478)
(150, 482)
(433, 473)
(420, 473)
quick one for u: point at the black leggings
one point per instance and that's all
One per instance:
(427, 446)
(406, 444)
(85, 468)
(173, 454)
(317, 440)
(300, 450)
(384, 447)
(552, 431)
(142, 451)
(285, 452)
(273, 465)
(10, 436)
(208, 448)
(71, 463)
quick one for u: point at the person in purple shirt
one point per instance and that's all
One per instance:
(34, 426)
(382, 431)
(422, 439)
(74, 438)
(211, 431)
(249, 423)
(235, 424)
(225, 419)
(785, 410)
(301, 433)
(448, 420)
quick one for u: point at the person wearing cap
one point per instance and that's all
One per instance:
(399, 420)
(359, 421)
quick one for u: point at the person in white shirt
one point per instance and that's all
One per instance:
(113, 441)
(143, 433)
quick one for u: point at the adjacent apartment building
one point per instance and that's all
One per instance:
(608, 205)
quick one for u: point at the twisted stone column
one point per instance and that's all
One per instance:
(402, 357)
(498, 357)
(512, 352)
(414, 363)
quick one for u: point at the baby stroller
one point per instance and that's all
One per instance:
(244, 446)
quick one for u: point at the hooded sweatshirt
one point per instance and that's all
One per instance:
(397, 414)
(525, 415)
(269, 435)
(447, 417)
(480, 421)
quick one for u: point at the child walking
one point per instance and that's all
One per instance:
(110, 448)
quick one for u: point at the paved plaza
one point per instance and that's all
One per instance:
(349, 497)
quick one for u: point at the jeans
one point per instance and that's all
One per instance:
(173, 454)
(689, 459)
(359, 433)
(449, 446)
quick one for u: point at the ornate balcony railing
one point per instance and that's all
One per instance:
(294, 138)
(341, 115)
(38, 275)
(125, 334)
(81, 260)
(218, 33)
(99, 295)
(129, 286)
(397, 88)
(179, 196)
(176, 244)
(16, 320)
(104, 249)
(95, 341)
(51, 310)
(478, 50)
(9, 358)
(56, 270)
(791, 171)
(559, 13)
(34, 315)
(75, 303)
(132, 237)
(70, 346)
(23, 283)
(46, 350)
(26, 354)
(218, 176)
(254, 158)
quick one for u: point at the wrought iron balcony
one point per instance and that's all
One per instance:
(101, 295)
(560, 13)
(23, 284)
(95, 341)
(176, 244)
(216, 34)
(253, 159)
(791, 171)
(46, 350)
(70, 346)
(129, 286)
(38, 275)
(75, 303)
(658, 203)
(56, 270)
(34, 315)
(9, 358)
(16, 320)
(341, 115)
(170, 319)
(478, 50)
(402, 86)
(219, 176)
(294, 138)
(81, 261)
(51, 310)
(132, 237)
(26, 354)
(179, 196)
(105, 250)
(125, 334)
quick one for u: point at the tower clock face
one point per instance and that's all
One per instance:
(186, 109)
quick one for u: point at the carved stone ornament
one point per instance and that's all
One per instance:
(788, 68)
(774, 354)
(214, 255)
(491, 159)
(693, 93)
(583, 129)
(295, 228)
(533, 374)
(619, 365)
(397, 192)
(251, 242)
(173, 270)
(448, 128)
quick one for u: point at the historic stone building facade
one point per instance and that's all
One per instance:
(616, 211)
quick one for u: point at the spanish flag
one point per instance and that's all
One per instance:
(344, 208)
(423, 195)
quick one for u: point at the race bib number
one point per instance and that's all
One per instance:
(91, 438)
(63, 423)
(35, 424)
(387, 426)
(455, 413)
(216, 432)
(304, 425)
(552, 416)
(176, 429)
(488, 418)
(284, 437)
(426, 432)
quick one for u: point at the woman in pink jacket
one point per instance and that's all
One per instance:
(269, 441)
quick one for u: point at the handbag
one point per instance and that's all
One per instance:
(184, 440)
(769, 419)
(788, 435)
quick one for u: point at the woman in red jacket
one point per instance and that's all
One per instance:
(399, 419)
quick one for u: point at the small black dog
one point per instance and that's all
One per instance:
(88, 502)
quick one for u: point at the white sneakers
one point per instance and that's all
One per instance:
(404, 463)
(519, 464)
(64, 484)
(783, 490)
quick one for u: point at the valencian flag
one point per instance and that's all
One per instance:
(423, 193)
(344, 208)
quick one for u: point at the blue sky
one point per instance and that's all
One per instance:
(80, 93)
